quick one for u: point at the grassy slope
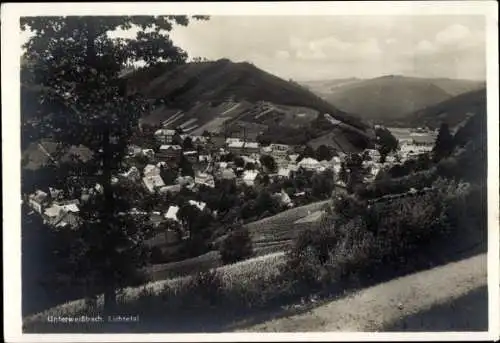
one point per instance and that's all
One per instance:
(269, 235)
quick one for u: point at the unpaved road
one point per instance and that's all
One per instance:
(450, 297)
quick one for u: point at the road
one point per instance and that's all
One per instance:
(449, 297)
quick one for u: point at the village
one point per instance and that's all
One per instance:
(183, 161)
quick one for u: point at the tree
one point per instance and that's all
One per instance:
(269, 163)
(323, 153)
(386, 142)
(444, 143)
(187, 145)
(355, 172)
(237, 246)
(239, 162)
(308, 152)
(250, 166)
(73, 76)
(186, 167)
(168, 175)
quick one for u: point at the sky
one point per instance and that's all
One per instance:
(307, 48)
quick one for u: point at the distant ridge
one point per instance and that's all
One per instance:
(390, 97)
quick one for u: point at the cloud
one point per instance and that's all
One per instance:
(425, 47)
(453, 34)
(334, 49)
(282, 54)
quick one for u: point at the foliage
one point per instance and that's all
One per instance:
(444, 143)
(269, 162)
(353, 171)
(386, 142)
(324, 153)
(73, 81)
(236, 246)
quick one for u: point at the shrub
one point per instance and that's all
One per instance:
(203, 289)
(306, 260)
(236, 246)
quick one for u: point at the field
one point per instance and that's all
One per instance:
(234, 276)
(277, 232)
(269, 235)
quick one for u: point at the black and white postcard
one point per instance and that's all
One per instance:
(250, 171)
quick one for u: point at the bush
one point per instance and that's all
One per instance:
(236, 246)
(307, 258)
(204, 289)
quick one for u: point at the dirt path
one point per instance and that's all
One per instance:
(390, 303)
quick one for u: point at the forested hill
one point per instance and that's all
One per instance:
(183, 86)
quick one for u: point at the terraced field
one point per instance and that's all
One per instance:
(275, 233)
(269, 235)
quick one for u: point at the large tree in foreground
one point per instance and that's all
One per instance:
(72, 93)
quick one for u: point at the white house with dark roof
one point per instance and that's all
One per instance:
(249, 177)
(153, 183)
(164, 136)
(171, 213)
(38, 201)
(151, 170)
(309, 163)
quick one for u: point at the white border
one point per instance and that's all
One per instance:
(11, 155)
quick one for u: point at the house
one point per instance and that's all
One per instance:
(200, 204)
(239, 147)
(230, 141)
(205, 158)
(170, 153)
(151, 170)
(227, 174)
(283, 172)
(374, 154)
(51, 213)
(134, 174)
(247, 160)
(283, 198)
(67, 220)
(293, 157)
(267, 150)
(164, 136)
(199, 140)
(235, 146)
(149, 153)
(69, 205)
(191, 156)
(134, 150)
(249, 177)
(279, 151)
(153, 183)
(204, 179)
(171, 213)
(55, 194)
(251, 147)
(309, 163)
(419, 144)
(38, 201)
(170, 189)
(61, 216)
